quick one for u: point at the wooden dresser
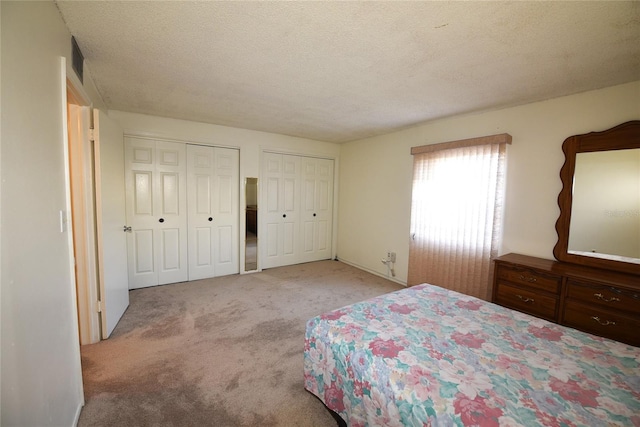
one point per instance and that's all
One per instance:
(597, 301)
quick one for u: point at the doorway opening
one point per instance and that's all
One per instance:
(81, 172)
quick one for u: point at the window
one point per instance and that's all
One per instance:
(456, 213)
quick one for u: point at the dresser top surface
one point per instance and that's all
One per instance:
(574, 271)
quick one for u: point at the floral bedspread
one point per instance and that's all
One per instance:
(427, 356)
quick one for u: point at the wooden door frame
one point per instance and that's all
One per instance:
(82, 214)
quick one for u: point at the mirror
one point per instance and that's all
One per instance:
(251, 220)
(606, 228)
(599, 223)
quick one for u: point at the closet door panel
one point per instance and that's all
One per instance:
(203, 241)
(272, 202)
(171, 167)
(170, 250)
(213, 199)
(156, 211)
(226, 187)
(140, 177)
(324, 235)
(281, 220)
(200, 185)
(225, 245)
(317, 208)
(226, 211)
(324, 208)
(170, 194)
(202, 194)
(289, 239)
(324, 196)
(289, 195)
(142, 193)
(141, 258)
(308, 236)
(308, 202)
(271, 237)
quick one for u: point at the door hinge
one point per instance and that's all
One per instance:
(99, 304)
(91, 135)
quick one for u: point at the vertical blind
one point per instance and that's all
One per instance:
(456, 213)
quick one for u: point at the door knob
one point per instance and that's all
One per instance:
(161, 220)
(210, 219)
(284, 215)
(314, 214)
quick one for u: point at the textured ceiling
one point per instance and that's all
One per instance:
(340, 71)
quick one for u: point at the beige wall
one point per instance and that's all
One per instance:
(376, 173)
(41, 376)
(249, 142)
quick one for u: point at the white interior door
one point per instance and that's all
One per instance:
(139, 181)
(110, 220)
(155, 180)
(213, 203)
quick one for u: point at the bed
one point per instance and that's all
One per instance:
(430, 356)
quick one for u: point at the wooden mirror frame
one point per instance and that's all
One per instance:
(621, 137)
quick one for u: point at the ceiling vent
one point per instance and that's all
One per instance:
(77, 60)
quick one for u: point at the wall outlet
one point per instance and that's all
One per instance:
(391, 256)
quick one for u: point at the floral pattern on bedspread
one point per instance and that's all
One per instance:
(427, 356)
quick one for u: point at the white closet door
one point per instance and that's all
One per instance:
(156, 211)
(316, 209)
(139, 182)
(281, 193)
(171, 206)
(226, 210)
(213, 199)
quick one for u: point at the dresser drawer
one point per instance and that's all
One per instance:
(527, 301)
(529, 277)
(606, 323)
(605, 296)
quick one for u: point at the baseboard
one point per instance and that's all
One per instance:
(368, 270)
(77, 417)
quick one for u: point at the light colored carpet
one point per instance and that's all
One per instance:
(218, 352)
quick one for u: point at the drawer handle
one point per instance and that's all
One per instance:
(605, 299)
(603, 323)
(528, 279)
(525, 299)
